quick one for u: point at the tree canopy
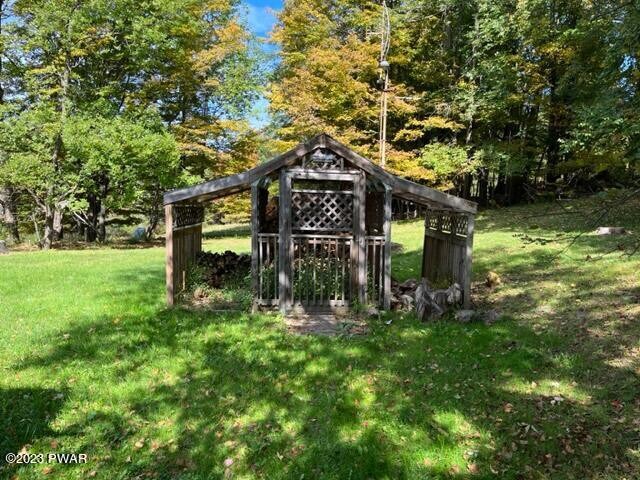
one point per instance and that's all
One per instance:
(491, 94)
(109, 103)
(106, 103)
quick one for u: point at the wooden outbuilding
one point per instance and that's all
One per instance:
(321, 229)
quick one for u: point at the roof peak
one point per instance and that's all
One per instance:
(242, 181)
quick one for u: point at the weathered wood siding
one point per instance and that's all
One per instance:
(183, 242)
(447, 250)
(187, 242)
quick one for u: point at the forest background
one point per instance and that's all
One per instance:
(106, 104)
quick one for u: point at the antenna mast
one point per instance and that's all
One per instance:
(385, 41)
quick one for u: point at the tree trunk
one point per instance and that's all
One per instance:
(57, 225)
(102, 224)
(47, 237)
(483, 186)
(151, 227)
(102, 214)
(80, 228)
(553, 132)
(9, 212)
(90, 231)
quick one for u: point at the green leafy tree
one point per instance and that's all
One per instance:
(537, 92)
(92, 65)
(126, 161)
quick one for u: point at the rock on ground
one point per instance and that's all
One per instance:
(611, 231)
(464, 316)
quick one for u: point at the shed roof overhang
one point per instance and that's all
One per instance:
(400, 187)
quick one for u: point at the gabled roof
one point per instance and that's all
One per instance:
(401, 187)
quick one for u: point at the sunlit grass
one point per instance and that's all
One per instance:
(92, 362)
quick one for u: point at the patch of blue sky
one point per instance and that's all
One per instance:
(260, 19)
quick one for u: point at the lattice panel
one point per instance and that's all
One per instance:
(323, 160)
(322, 211)
(447, 223)
(459, 224)
(186, 215)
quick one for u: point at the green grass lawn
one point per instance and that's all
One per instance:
(92, 362)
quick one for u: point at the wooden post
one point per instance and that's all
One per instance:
(285, 250)
(466, 287)
(168, 220)
(360, 191)
(386, 229)
(255, 245)
(424, 246)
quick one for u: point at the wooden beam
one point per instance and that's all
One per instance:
(241, 181)
(324, 175)
(449, 237)
(424, 273)
(255, 245)
(466, 287)
(285, 248)
(386, 228)
(168, 220)
(401, 187)
(360, 191)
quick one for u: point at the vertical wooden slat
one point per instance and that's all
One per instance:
(322, 272)
(386, 229)
(360, 266)
(307, 270)
(275, 262)
(466, 284)
(341, 273)
(425, 249)
(260, 268)
(295, 275)
(255, 244)
(380, 283)
(168, 219)
(284, 266)
(334, 261)
(313, 264)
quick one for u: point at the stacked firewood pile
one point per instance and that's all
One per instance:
(220, 266)
(403, 294)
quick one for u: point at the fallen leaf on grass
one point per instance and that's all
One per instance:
(508, 408)
(473, 468)
(617, 404)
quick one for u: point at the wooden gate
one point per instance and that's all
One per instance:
(321, 270)
(323, 239)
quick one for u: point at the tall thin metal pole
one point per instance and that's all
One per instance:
(385, 41)
(383, 125)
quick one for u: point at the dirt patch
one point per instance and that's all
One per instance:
(325, 324)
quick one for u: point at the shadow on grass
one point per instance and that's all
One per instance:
(25, 416)
(241, 396)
